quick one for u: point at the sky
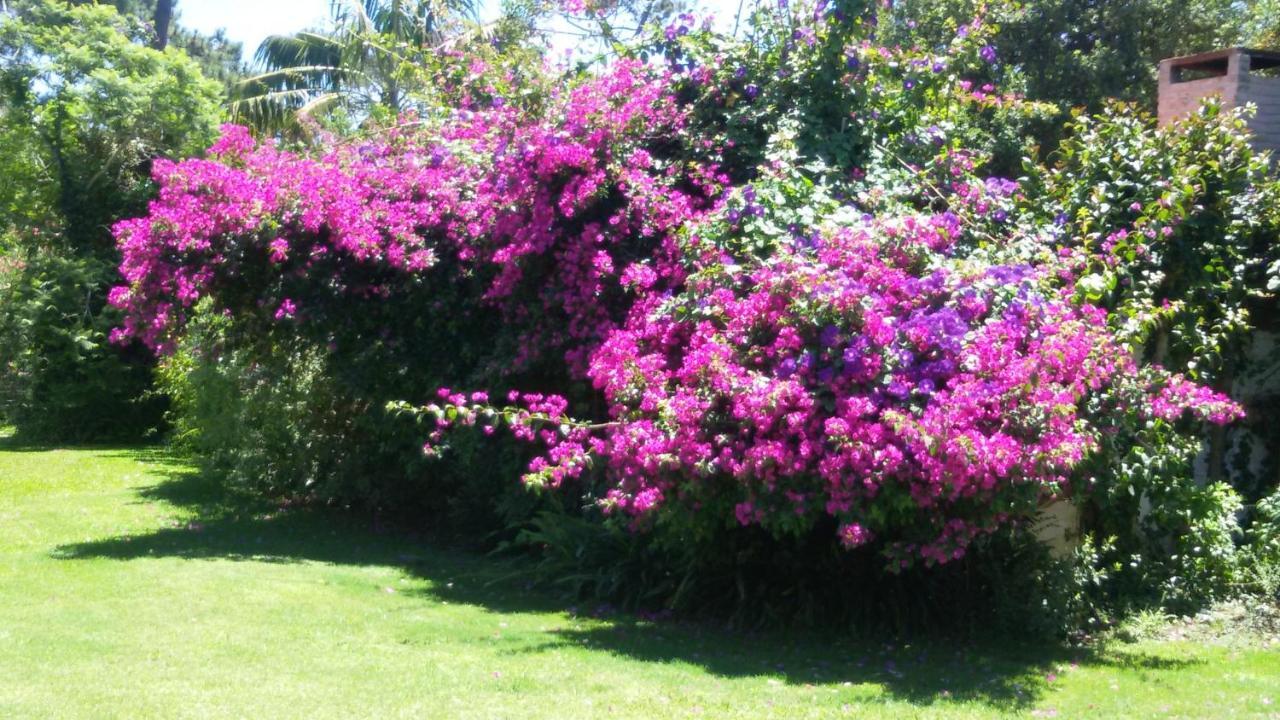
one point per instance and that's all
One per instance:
(249, 21)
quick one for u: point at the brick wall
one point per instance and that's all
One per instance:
(1177, 99)
(1232, 75)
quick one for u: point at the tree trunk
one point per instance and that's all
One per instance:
(163, 17)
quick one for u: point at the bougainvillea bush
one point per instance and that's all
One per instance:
(864, 373)
(767, 285)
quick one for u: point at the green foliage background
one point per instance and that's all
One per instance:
(84, 109)
(1082, 52)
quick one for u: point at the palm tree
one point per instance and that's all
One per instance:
(366, 60)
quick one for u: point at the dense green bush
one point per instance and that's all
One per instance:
(1084, 53)
(277, 416)
(1262, 561)
(84, 109)
(1181, 224)
(61, 378)
(743, 577)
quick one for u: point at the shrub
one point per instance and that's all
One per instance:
(61, 377)
(769, 337)
(1176, 228)
(276, 420)
(745, 578)
(1262, 549)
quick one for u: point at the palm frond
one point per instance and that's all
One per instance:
(359, 62)
(471, 32)
(320, 105)
(303, 48)
(269, 112)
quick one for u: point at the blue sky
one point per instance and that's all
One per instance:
(249, 21)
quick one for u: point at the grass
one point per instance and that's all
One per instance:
(131, 587)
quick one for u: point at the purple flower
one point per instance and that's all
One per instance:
(787, 367)
(830, 334)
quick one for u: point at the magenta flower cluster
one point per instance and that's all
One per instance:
(870, 374)
(495, 191)
(866, 376)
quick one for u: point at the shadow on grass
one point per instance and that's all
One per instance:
(1007, 676)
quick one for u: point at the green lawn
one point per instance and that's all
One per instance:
(129, 588)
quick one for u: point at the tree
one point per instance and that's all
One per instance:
(369, 59)
(158, 24)
(163, 16)
(85, 107)
(1263, 23)
(100, 106)
(216, 54)
(1080, 52)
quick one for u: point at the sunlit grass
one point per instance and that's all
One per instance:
(130, 587)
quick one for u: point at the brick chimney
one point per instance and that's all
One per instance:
(1238, 75)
